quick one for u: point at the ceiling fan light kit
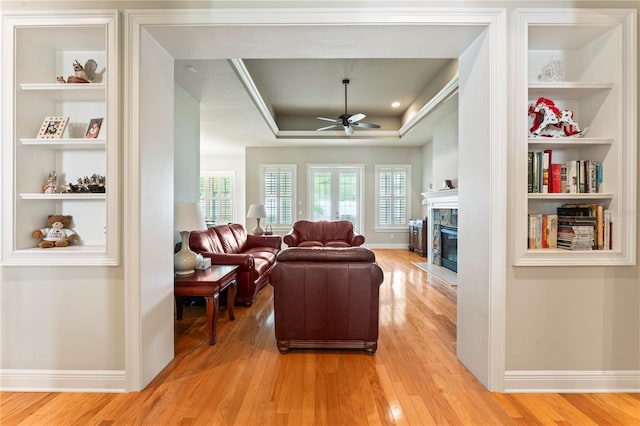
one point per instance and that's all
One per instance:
(346, 120)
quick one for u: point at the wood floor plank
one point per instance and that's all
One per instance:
(414, 378)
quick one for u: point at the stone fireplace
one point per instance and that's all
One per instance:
(442, 223)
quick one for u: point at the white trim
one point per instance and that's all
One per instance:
(131, 201)
(498, 105)
(103, 381)
(450, 89)
(578, 381)
(394, 246)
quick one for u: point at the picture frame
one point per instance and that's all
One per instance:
(52, 127)
(93, 130)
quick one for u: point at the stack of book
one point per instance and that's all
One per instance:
(574, 227)
(575, 233)
(584, 227)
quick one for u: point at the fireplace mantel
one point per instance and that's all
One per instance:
(446, 199)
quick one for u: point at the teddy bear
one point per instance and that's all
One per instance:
(57, 234)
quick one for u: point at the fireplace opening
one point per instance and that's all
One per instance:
(449, 247)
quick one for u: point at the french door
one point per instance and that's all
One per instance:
(335, 193)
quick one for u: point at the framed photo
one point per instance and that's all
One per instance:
(52, 127)
(94, 128)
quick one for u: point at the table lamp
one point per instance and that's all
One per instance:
(187, 217)
(257, 211)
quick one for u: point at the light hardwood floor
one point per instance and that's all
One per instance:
(413, 379)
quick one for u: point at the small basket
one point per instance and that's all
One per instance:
(268, 230)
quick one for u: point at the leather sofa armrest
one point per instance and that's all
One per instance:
(272, 241)
(244, 261)
(291, 239)
(357, 239)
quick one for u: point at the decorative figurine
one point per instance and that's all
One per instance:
(547, 120)
(50, 187)
(553, 71)
(82, 73)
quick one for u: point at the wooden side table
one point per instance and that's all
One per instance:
(208, 283)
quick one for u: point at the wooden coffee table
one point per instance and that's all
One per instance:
(208, 283)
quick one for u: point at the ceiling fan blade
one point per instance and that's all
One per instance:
(367, 125)
(356, 117)
(333, 120)
(348, 130)
(328, 127)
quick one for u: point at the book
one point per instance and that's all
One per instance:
(591, 176)
(572, 177)
(543, 230)
(533, 226)
(546, 162)
(552, 231)
(582, 176)
(530, 172)
(599, 177)
(555, 179)
(535, 175)
(564, 185)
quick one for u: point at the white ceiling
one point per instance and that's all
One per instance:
(298, 72)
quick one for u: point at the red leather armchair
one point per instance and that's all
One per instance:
(231, 245)
(326, 298)
(323, 233)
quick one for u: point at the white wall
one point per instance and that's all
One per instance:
(445, 152)
(186, 149)
(352, 155)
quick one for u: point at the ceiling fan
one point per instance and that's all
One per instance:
(347, 120)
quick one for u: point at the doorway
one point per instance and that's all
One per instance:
(335, 193)
(482, 191)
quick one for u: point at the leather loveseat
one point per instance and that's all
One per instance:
(326, 298)
(323, 233)
(231, 245)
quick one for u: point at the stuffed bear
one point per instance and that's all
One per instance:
(57, 234)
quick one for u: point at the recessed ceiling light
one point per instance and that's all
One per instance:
(191, 68)
(395, 104)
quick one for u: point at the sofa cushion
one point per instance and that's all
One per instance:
(229, 239)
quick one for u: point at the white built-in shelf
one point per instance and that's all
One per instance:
(566, 90)
(567, 196)
(64, 196)
(67, 143)
(569, 142)
(48, 45)
(597, 50)
(68, 92)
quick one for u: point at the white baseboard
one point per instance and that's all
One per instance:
(614, 381)
(103, 381)
(404, 246)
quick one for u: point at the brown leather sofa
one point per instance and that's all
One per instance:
(323, 233)
(326, 298)
(231, 245)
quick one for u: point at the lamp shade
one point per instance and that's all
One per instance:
(187, 217)
(256, 211)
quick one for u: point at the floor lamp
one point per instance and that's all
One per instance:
(257, 211)
(187, 217)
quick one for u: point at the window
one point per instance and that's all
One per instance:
(278, 193)
(216, 196)
(392, 196)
